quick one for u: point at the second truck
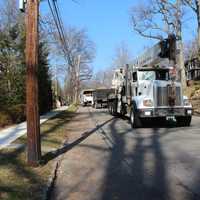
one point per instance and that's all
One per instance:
(149, 88)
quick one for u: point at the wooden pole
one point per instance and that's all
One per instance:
(33, 125)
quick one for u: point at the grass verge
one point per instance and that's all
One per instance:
(21, 182)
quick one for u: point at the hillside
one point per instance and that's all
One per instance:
(193, 92)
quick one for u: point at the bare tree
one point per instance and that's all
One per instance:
(190, 49)
(81, 53)
(153, 19)
(122, 55)
(78, 52)
(157, 19)
(102, 79)
(195, 6)
(8, 15)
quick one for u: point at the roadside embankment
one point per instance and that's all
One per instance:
(19, 181)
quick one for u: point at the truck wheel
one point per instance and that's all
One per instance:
(123, 110)
(108, 107)
(183, 121)
(112, 108)
(135, 120)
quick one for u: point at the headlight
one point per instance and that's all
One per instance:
(148, 103)
(186, 102)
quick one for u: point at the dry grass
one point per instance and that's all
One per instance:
(190, 91)
(21, 182)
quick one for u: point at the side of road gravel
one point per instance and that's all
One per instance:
(82, 168)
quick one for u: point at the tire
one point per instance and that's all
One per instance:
(183, 121)
(108, 107)
(114, 109)
(111, 108)
(123, 111)
(95, 105)
(135, 119)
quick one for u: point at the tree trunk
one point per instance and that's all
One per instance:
(198, 27)
(181, 65)
(180, 57)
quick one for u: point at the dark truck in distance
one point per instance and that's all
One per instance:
(100, 97)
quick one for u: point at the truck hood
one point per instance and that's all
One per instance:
(147, 90)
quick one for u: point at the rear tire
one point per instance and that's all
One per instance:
(111, 108)
(183, 121)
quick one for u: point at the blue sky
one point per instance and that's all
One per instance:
(108, 24)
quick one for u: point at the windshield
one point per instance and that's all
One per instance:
(87, 93)
(146, 75)
(153, 75)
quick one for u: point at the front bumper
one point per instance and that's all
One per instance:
(165, 112)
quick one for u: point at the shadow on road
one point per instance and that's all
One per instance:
(52, 155)
(127, 176)
(136, 165)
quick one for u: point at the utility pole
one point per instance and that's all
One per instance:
(32, 41)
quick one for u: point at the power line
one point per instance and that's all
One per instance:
(59, 24)
(55, 20)
(59, 21)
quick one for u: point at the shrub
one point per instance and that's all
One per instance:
(17, 113)
(5, 119)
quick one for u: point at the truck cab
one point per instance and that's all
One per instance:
(150, 88)
(157, 95)
(86, 97)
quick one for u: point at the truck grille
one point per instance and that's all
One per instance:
(163, 98)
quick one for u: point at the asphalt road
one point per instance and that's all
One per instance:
(106, 159)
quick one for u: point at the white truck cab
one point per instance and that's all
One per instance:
(158, 96)
(150, 88)
(86, 97)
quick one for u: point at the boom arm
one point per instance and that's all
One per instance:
(153, 56)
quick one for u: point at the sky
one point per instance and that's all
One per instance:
(108, 24)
